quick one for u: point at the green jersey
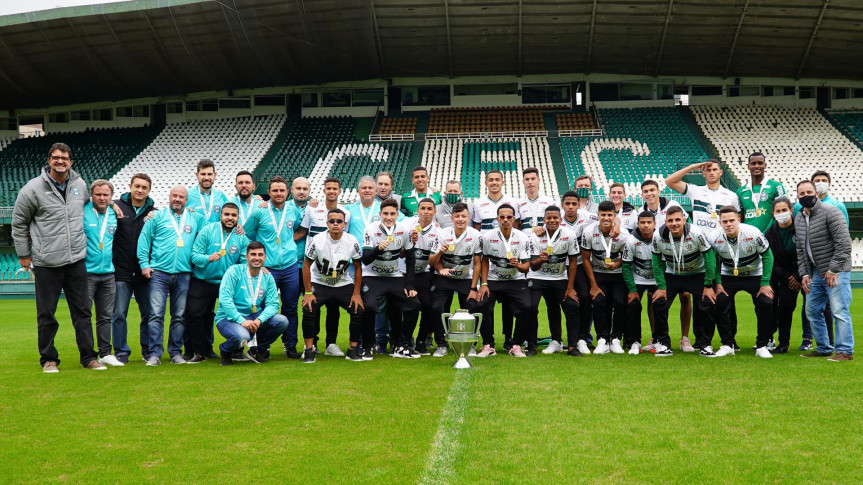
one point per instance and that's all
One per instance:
(411, 201)
(756, 202)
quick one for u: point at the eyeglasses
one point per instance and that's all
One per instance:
(336, 221)
(505, 218)
(58, 158)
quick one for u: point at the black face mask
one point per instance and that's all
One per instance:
(807, 201)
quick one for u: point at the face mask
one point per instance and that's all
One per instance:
(452, 198)
(821, 187)
(582, 192)
(783, 217)
(807, 201)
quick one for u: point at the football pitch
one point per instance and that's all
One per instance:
(550, 419)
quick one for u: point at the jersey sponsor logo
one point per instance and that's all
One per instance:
(704, 222)
(378, 269)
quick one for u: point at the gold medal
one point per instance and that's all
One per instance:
(335, 274)
(419, 228)
(549, 250)
(222, 252)
(278, 240)
(451, 247)
(509, 255)
(254, 308)
(390, 238)
(713, 215)
(736, 272)
(179, 242)
(101, 246)
(607, 261)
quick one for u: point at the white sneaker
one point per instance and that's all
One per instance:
(154, 361)
(649, 346)
(616, 347)
(553, 347)
(582, 347)
(334, 351)
(686, 345)
(661, 350)
(724, 350)
(601, 347)
(763, 352)
(635, 349)
(442, 351)
(110, 360)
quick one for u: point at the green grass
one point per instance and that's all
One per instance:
(553, 419)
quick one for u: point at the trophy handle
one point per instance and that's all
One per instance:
(443, 318)
(478, 317)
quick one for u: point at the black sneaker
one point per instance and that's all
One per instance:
(309, 356)
(574, 352)
(411, 353)
(530, 352)
(782, 349)
(315, 346)
(429, 342)
(123, 358)
(226, 358)
(353, 354)
(367, 354)
(211, 355)
(197, 359)
(291, 353)
(662, 351)
(507, 345)
(239, 357)
(422, 348)
(380, 349)
(188, 356)
(707, 352)
(260, 355)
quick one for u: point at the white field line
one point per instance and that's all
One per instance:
(447, 442)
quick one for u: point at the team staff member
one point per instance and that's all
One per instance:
(165, 256)
(100, 225)
(203, 197)
(552, 277)
(48, 230)
(746, 265)
(248, 308)
(506, 255)
(424, 240)
(756, 198)
(383, 282)
(683, 260)
(135, 206)
(327, 279)
(217, 248)
(385, 181)
(601, 253)
(457, 263)
(637, 271)
(274, 227)
(583, 188)
(410, 201)
(452, 197)
(785, 279)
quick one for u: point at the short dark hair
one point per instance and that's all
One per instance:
(755, 154)
(390, 203)
(822, 172)
(530, 170)
(336, 211)
(568, 193)
(255, 245)
(419, 168)
(230, 205)
(62, 147)
(141, 176)
(582, 177)
(715, 162)
(505, 206)
(674, 210)
(725, 209)
(494, 170)
(649, 182)
(606, 206)
(552, 208)
(426, 200)
(332, 180)
(783, 200)
(244, 172)
(205, 163)
(617, 184)
(459, 207)
(805, 181)
(278, 179)
(647, 214)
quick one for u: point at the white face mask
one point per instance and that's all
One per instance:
(821, 187)
(782, 217)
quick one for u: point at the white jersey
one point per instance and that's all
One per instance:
(426, 244)
(603, 248)
(562, 248)
(315, 220)
(638, 253)
(659, 214)
(706, 204)
(485, 211)
(743, 253)
(532, 212)
(332, 258)
(494, 247)
(684, 255)
(386, 263)
(628, 216)
(460, 251)
(584, 218)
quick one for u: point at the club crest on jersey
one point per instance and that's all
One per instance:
(217, 209)
(75, 191)
(530, 284)
(233, 249)
(260, 292)
(187, 229)
(418, 253)
(365, 288)
(112, 230)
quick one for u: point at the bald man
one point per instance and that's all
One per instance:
(165, 256)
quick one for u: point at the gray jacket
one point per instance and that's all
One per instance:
(48, 228)
(828, 237)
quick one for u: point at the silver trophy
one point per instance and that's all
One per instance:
(462, 333)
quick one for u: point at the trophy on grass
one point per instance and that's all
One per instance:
(462, 333)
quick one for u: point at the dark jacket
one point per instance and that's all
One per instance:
(828, 237)
(784, 262)
(129, 227)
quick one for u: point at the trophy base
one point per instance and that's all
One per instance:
(462, 363)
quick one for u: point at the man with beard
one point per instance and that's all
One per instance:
(204, 198)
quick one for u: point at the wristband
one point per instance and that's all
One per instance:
(483, 284)
(310, 292)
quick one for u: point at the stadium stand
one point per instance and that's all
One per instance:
(234, 144)
(796, 142)
(398, 126)
(6, 140)
(469, 160)
(851, 122)
(575, 121)
(639, 144)
(9, 268)
(486, 119)
(98, 153)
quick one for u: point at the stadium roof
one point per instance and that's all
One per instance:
(167, 47)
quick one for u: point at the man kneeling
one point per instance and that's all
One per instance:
(248, 306)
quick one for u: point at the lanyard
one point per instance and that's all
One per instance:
(367, 218)
(456, 240)
(607, 247)
(756, 199)
(103, 228)
(253, 294)
(506, 243)
(178, 228)
(224, 241)
(281, 224)
(735, 255)
(389, 232)
(207, 209)
(245, 217)
(677, 256)
(549, 248)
